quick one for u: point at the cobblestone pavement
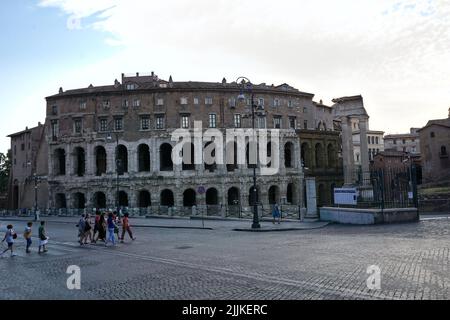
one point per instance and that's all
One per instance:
(326, 263)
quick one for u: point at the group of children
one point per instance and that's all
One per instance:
(101, 225)
(11, 236)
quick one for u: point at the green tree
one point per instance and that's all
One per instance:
(5, 167)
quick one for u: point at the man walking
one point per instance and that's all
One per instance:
(126, 228)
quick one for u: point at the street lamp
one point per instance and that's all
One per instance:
(35, 178)
(247, 86)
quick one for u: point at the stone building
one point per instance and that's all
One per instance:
(435, 149)
(375, 144)
(110, 146)
(406, 142)
(29, 168)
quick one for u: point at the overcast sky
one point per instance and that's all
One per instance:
(394, 53)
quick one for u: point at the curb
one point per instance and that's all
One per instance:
(279, 230)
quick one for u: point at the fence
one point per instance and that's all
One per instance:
(386, 188)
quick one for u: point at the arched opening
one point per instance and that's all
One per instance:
(251, 154)
(99, 200)
(231, 156)
(165, 157)
(188, 157)
(269, 154)
(121, 159)
(16, 195)
(60, 201)
(306, 155)
(189, 198)
(79, 200)
(319, 155)
(288, 155)
(331, 153)
(252, 196)
(209, 156)
(333, 185)
(321, 196)
(100, 160)
(290, 194)
(123, 199)
(233, 196)
(79, 161)
(443, 150)
(167, 198)
(60, 162)
(143, 158)
(274, 195)
(144, 199)
(212, 196)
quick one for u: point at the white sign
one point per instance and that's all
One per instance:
(345, 196)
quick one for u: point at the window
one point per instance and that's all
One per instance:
(376, 140)
(183, 101)
(368, 140)
(195, 100)
(208, 101)
(261, 102)
(131, 86)
(185, 121)
(22, 146)
(249, 101)
(403, 141)
(292, 122)
(55, 129)
(277, 122)
(118, 124)
(237, 120)
(125, 103)
(289, 103)
(395, 141)
(443, 152)
(15, 149)
(413, 140)
(106, 104)
(212, 120)
(83, 104)
(103, 125)
(160, 102)
(77, 125)
(373, 140)
(160, 122)
(232, 102)
(305, 124)
(136, 103)
(54, 110)
(432, 134)
(261, 122)
(305, 110)
(145, 123)
(276, 102)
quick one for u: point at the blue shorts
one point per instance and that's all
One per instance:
(10, 244)
(29, 242)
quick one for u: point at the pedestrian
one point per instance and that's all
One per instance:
(96, 226)
(102, 228)
(27, 235)
(126, 228)
(43, 239)
(276, 213)
(80, 226)
(9, 237)
(111, 227)
(117, 222)
(87, 229)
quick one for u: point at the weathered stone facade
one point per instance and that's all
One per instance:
(110, 146)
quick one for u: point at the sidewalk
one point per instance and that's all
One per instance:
(196, 223)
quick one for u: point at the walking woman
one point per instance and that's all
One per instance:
(10, 235)
(43, 239)
(276, 213)
(101, 228)
(126, 228)
(111, 227)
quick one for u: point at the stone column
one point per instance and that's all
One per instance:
(90, 159)
(347, 151)
(364, 148)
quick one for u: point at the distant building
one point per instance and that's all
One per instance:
(374, 139)
(435, 146)
(406, 142)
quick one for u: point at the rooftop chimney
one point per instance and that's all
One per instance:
(321, 102)
(137, 74)
(224, 81)
(60, 90)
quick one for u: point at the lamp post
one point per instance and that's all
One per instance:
(247, 86)
(35, 195)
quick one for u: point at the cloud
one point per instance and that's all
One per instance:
(331, 48)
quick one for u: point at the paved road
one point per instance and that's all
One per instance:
(325, 263)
